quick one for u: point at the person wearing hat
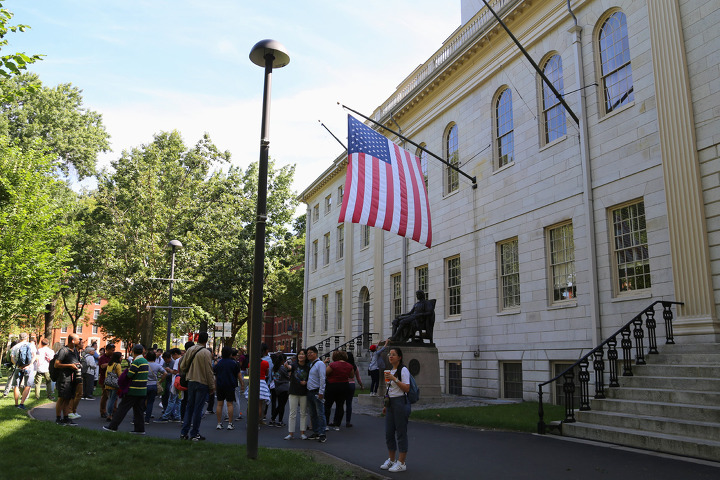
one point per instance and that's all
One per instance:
(135, 397)
(376, 364)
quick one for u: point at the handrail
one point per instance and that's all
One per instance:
(598, 353)
(325, 343)
(355, 345)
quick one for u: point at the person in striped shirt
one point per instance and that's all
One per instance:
(135, 398)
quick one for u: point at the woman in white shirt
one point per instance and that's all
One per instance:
(397, 412)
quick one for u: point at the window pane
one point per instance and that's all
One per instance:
(615, 62)
(505, 136)
(453, 157)
(453, 286)
(512, 380)
(510, 275)
(562, 263)
(553, 111)
(632, 256)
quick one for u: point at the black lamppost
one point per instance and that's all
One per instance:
(174, 244)
(268, 54)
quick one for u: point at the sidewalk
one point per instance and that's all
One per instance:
(438, 451)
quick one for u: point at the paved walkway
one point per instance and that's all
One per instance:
(438, 451)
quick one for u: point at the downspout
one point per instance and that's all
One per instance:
(305, 330)
(588, 205)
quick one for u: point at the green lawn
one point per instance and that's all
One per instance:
(521, 417)
(39, 450)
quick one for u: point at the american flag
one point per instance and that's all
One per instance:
(384, 186)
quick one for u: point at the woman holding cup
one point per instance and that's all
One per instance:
(396, 411)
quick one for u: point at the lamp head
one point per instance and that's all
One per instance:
(175, 244)
(273, 47)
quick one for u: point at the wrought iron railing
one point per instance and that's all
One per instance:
(355, 345)
(325, 343)
(633, 330)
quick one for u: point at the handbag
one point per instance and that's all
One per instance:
(111, 379)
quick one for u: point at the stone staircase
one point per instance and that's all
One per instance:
(670, 405)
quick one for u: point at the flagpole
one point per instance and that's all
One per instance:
(535, 65)
(472, 179)
(333, 135)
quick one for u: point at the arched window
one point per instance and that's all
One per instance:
(615, 62)
(452, 154)
(423, 156)
(504, 135)
(553, 111)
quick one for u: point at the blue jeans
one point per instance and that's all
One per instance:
(172, 409)
(196, 395)
(396, 422)
(112, 398)
(316, 409)
(150, 400)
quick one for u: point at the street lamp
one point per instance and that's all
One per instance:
(268, 54)
(174, 244)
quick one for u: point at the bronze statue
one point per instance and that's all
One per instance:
(416, 325)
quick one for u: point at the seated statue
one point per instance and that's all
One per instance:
(421, 317)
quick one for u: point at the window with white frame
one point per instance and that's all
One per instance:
(326, 249)
(316, 213)
(325, 312)
(504, 133)
(315, 255)
(340, 242)
(509, 274)
(396, 282)
(364, 236)
(64, 329)
(452, 153)
(79, 328)
(562, 262)
(423, 156)
(452, 286)
(631, 256)
(338, 310)
(421, 280)
(328, 204)
(96, 314)
(616, 71)
(94, 329)
(63, 341)
(554, 123)
(340, 194)
(313, 314)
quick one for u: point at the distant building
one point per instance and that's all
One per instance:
(86, 328)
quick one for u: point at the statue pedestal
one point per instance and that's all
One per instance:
(423, 363)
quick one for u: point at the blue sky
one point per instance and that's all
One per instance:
(156, 65)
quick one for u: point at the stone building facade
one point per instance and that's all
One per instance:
(574, 227)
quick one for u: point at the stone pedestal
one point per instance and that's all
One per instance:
(424, 364)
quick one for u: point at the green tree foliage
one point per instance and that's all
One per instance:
(155, 193)
(33, 205)
(53, 118)
(120, 322)
(13, 63)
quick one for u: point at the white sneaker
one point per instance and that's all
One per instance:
(387, 465)
(231, 426)
(289, 437)
(398, 467)
(73, 415)
(219, 426)
(303, 437)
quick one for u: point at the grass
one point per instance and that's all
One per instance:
(522, 417)
(22, 441)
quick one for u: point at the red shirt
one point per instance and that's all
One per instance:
(264, 367)
(341, 372)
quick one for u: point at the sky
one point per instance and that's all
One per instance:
(158, 65)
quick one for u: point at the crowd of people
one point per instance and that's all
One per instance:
(191, 380)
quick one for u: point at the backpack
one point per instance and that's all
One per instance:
(83, 362)
(24, 356)
(413, 395)
(54, 372)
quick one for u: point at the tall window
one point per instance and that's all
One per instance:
(512, 380)
(79, 328)
(396, 281)
(509, 275)
(452, 181)
(95, 329)
(421, 276)
(64, 329)
(315, 255)
(313, 314)
(454, 378)
(326, 248)
(325, 312)
(630, 248)
(328, 204)
(96, 314)
(452, 275)
(338, 310)
(615, 62)
(504, 135)
(316, 212)
(553, 111)
(341, 193)
(423, 156)
(562, 262)
(364, 236)
(340, 242)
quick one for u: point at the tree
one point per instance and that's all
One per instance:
(156, 193)
(54, 119)
(13, 63)
(33, 206)
(288, 281)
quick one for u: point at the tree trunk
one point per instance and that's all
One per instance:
(49, 316)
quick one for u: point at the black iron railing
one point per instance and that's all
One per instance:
(355, 345)
(631, 331)
(326, 342)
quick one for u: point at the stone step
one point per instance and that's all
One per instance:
(699, 358)
(681, 411)
(696, 371)
(679, 383)
(665, 395)
(660, 442)
(669, 426)
(690, 348)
